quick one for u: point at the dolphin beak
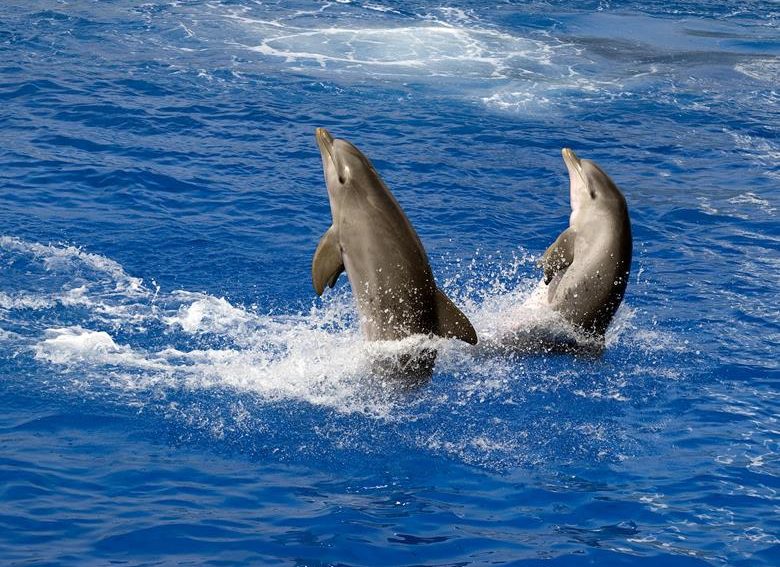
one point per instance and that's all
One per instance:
(573, 163)
(325, 142)
(570, 158)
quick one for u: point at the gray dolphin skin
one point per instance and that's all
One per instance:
(587, 266)
(375, 243)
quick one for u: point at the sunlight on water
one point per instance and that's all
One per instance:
(445, 47)
(430, 51)
(470, 58)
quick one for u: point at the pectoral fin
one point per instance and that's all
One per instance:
(327, 264)
(559, 255)
(451, 322)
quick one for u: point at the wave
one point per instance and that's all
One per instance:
(447, 48)
(525, 70)
(434, 51)
(261, 350)
(136, 344)
(765, 69)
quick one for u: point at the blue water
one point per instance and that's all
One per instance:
(172, 392)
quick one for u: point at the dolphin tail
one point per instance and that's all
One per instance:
(451, 322)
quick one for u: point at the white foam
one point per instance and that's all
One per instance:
(449, 46)
(24, 301)
(194, 342)
(7, 336)
(453, 14)
(761, 68)
(75, 296)
(315, 356)
(453, 50)
(528, 98)
(750, 198)
(69, 344)
(38, 301)
(432, 50)
(63, 257)
(380, 8)
(303, 363)
(207, 314)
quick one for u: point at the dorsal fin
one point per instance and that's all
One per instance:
(451, 322)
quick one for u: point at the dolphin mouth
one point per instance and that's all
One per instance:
(325, 143)
(573, 163)
(571, 159)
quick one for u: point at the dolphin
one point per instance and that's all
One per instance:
(386, 264)
(586, 269)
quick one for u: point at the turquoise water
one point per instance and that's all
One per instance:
(173, 392)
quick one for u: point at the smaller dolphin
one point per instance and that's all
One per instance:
(386, 264)
(586, 269)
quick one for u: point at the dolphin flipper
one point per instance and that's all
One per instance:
(559, 255)
(451, 322)
(327, 264)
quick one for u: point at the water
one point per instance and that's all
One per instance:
(173, 393)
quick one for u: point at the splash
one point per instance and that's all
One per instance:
(107, 334)
(445, 48)
(435, 50)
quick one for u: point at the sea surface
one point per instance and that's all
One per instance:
(172, 392)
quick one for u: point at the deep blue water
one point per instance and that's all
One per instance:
(171, 391)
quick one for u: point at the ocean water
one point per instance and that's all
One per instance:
(172, 391)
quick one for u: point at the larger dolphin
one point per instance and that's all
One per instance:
(375, 243)
(587, 266)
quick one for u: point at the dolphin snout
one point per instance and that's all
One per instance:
(574, 165)
(570, 157)
(325, 143)
(323, 137)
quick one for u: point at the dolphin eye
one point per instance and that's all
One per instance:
(341, 179)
